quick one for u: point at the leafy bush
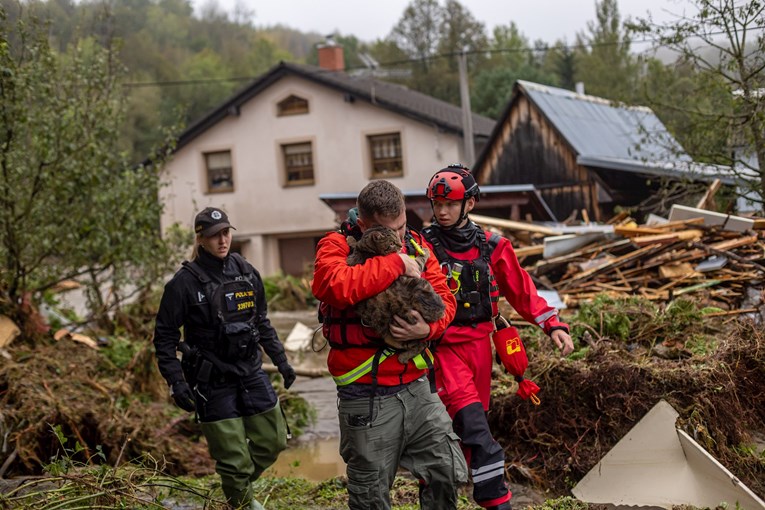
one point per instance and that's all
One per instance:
(286, 292)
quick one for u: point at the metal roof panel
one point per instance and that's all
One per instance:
(598, 128)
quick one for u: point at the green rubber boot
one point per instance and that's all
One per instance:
(227, 443)
(267, 436)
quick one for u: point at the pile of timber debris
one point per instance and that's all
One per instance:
(722, 255)
(589, 404)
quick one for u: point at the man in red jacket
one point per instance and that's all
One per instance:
(388, 414)
(480, 267)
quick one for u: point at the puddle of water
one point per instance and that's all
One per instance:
(314, 460)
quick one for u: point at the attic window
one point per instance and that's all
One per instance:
(293, 105)
(387, 160)
(298, 163)
(220, 174)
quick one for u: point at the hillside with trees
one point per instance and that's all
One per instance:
(181, 64)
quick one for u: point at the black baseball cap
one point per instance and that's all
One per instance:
(210, 221)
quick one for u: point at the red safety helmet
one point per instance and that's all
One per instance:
(455, 182)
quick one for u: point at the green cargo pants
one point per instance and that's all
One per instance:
(411, 429)
(243, 448)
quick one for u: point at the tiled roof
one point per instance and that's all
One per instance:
(390, 96)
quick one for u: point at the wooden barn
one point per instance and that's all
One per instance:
(581, 152)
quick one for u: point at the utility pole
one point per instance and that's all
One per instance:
(467, 115)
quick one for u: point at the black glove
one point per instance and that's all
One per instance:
(183, 396)
(288, 374)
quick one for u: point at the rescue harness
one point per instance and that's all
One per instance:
(471, 281)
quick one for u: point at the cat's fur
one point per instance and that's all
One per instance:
(406, 293)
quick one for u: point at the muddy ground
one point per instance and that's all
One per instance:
(115, 406)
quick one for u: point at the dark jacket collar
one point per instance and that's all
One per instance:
(211, 262)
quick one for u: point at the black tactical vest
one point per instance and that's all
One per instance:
(471, 281)
(233, 334)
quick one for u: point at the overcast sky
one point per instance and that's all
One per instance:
(548, 20)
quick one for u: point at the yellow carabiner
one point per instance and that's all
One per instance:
(417, 247)
(454, 274)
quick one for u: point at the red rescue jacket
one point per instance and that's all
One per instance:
(340, 286)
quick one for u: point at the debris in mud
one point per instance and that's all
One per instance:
(588, 404)
(655, 454)
(110, 400)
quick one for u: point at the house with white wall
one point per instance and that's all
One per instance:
(267, 153)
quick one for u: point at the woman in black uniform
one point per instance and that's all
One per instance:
(219, 300)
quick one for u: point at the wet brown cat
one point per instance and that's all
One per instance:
(406, 293)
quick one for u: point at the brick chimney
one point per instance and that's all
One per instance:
(331, 55)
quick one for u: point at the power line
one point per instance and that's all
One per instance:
(430, 58)
(173, 83)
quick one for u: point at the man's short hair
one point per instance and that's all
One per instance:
(380, 199)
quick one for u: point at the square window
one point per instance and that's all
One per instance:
(220, 175)
(385, 151)
(298, 163)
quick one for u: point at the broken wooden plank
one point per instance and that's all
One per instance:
(611, 264)
(680, 223)
(734, 243)
(514, 225)
(708, 198)
(636, 231)
(682, 269)
(526, 251)
(683, 235)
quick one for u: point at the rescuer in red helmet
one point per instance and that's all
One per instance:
(480, 267)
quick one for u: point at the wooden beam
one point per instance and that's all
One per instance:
(525, 251)
(611, 264)
(708, 197)
(514, 225)
(671, 237)
(636, 231)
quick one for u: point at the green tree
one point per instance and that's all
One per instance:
(433, 35)
(70, 204)
(560, 61)
(512, 59)
(199, 98)
(603, 59)
(723, 46)
(508, 47)
(417, 32)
